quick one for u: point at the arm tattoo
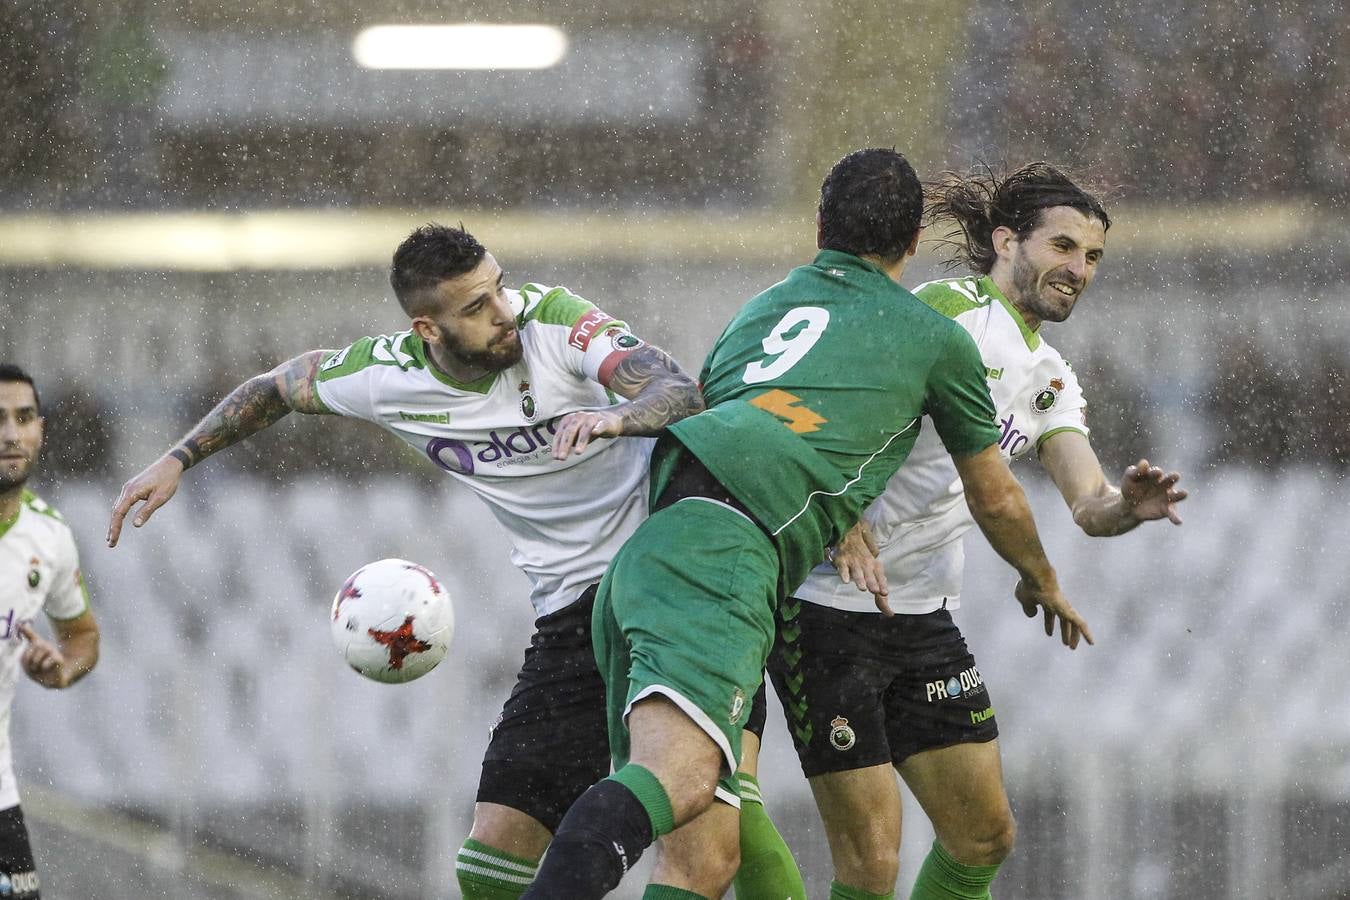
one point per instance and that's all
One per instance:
(256, 404)
(658, 390)
(298, 378)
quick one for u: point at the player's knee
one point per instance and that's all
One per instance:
(991, 841)
(690, 788)
(867, 863)
(1006, 837)
(880, 867)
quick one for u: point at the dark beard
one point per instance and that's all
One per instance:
(494, 358)
(1028, 295)
(14, 482)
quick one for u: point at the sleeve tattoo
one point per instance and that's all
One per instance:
(256, 404)
(658, 390)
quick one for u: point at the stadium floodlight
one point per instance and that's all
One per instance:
(470, 46)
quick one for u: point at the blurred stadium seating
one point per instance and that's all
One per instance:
(1168, 761)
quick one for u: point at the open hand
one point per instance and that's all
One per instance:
(855, 559)
(155, 485)
(1056, 607)
(578, 429)
(1149, 493)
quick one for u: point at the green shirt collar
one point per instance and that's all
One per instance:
(7, 524)
(987, 286)
(418, 348)
(838, 259)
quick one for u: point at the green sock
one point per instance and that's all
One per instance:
(486, 873)
(666, 892)
(650, 794)
(768, 871)
(943, 878)
(844, 892)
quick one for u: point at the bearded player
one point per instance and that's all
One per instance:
(868, 691)
(816, 391)
(39, 572)
(515, 394)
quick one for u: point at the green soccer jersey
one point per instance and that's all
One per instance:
(815, 393)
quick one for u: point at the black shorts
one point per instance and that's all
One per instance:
(18, 875)
(861, 689)
(550, 742)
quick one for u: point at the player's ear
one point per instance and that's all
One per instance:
(426, 329)
(1002, 238)
(914, 244)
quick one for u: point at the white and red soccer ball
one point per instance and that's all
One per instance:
(392, 620)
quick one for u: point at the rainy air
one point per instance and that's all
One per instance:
(780, 450)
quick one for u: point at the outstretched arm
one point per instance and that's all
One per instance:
(254, 405)
(658, 391)
(1101, 509)
(1000, 508)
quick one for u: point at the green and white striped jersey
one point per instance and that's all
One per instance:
(565, 519)
(919, 519)
(39, 572)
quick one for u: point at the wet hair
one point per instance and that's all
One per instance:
(871, 203)
(981, 200)
(12, 373)
(428, 256)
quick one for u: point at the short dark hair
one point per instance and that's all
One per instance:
(980, 200)
(871, 203)
(11, 373)
(428, 256)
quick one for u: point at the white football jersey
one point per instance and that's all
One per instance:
(566, 519)
(918, 521)
(39, 572)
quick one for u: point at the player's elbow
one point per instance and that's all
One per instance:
(1101, 515)
(992, 507)
(1091, 525)
(684, 399)
(692, 397)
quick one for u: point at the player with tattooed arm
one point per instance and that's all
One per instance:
(575, 395)
(815, 392)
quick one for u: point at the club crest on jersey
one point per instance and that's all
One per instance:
(527, 404)
(1046, 398)
(841, 734)
(34, 573)
(737, 705)
(622, 340)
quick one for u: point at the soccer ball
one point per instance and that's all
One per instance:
(392, 620)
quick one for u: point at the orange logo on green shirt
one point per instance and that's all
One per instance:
(798, 419)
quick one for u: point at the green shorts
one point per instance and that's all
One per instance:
(686, 610)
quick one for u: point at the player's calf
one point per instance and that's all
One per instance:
(603, 835)
(703, 856)
(486, 873)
